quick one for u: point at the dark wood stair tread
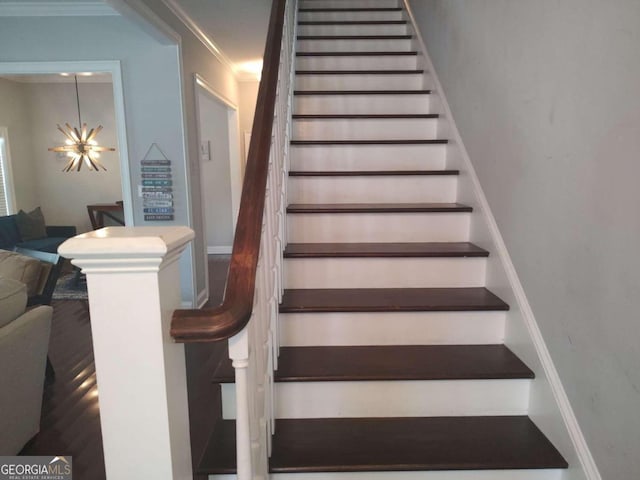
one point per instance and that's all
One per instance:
(423, 249)
(352, 22)
(353, 9)
(371, 142)
(358, 72)
(394, 444)
(378, 208)
(392, 362)
(372, 173)
(362, 92)
(404, 362)
(361, 116)
(354, 37)
(314, 300)
(356, 54)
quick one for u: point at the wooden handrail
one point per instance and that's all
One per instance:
(229, 318)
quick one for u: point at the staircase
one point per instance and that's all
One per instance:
(391, 357)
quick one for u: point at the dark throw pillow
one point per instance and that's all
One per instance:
(31, 225)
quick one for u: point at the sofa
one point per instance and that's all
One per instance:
(24, 342)
(44, 239)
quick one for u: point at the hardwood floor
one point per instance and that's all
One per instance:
(70, 422)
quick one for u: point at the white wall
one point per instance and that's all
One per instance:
(215, 174)
(545, 95)
(15, 116)
(248, 95)
(64, 196)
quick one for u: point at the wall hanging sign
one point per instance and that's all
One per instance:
(156, 186)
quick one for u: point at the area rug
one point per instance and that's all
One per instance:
(68, 288)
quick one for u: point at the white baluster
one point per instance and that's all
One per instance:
(239, 354)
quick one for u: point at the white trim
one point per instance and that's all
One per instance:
(57, 9)
(224, 250)
(566, 411)
(201, 82)
(147, 19)
(203, 297)
(9, 187)
(108, 66)
(184, 17)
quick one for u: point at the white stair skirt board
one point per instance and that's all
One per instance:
(542, 474)
(373, 189)
(349, 4)
(421, 398)
(362, 81)
(349, 16)
(363, 29)
(367, 157)
(357, 62)
(374, 328)
(352, 45)
(377, 227)
(384, 272)
(366, 129)
(361, 104)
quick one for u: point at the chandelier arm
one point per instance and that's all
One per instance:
(78, 101)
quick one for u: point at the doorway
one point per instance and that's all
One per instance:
(220, 168)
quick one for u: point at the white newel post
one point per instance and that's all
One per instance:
(134, 286)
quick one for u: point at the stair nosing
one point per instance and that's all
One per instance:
(352, 22)
(362, 92)
(371, 173)
(358, 54)
(371, 142)
(379, 208)
(354, 9)
(366, 116)
(385, 250)
(359, 72)
(354, 37)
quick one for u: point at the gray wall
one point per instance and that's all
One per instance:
(545, 95)
(14, 116)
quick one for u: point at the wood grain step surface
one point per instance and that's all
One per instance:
(371, 142)
(372, 173)
(362, 92)
(367, 250)
(353, 9)
(391, 362)
(358, 72)
(354, 37)
(378, 208)
(364, 116)
(394, 444)
(390, 300)
(356, 54)
(352, 22)
(412, 362)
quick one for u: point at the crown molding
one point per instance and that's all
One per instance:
(191, 24)
(57, 9)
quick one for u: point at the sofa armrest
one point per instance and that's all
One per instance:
(61, 231)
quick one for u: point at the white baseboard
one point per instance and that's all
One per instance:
(583, 454)
(224, 250)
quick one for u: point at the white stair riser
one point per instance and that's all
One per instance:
(373, 189)
(377, 227)
(391, 328)
(361, 104)
(367, 157)
(359, 62)
(360, 82)
(540, 474)
(349, 4)
(392, 45)
(384, 272)
(349, 16)
(380, 29)
(357, 399)
(366, 129)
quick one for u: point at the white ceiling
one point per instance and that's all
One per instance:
(238, 27)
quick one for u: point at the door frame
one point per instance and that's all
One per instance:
(100, 66)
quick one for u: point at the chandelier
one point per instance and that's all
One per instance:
(80, 145)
